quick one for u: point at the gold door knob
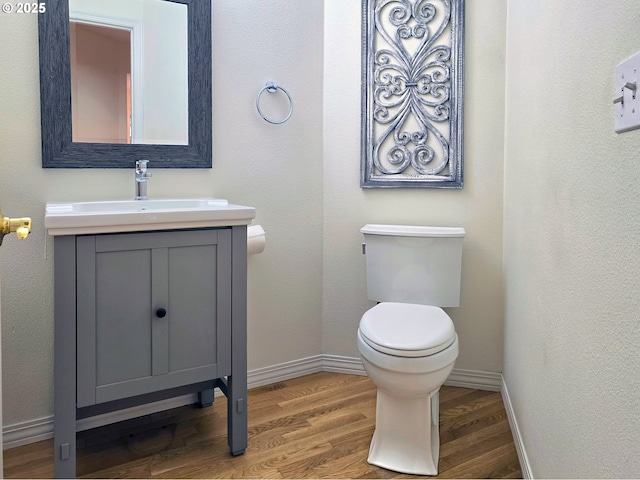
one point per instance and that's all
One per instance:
(21, 226)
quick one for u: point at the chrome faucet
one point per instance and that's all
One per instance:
(142, 176)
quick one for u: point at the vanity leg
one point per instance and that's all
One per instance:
(64, 450)
(205, 398)
(64, 390)
(237, 413)
(237, 381)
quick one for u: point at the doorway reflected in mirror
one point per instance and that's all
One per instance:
(100, 83)
(129, 67)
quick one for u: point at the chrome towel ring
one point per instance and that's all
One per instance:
(273, 88)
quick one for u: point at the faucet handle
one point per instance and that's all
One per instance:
(141, 166)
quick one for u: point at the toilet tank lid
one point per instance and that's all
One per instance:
(413, 231)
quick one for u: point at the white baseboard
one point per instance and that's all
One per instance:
(525, 466)
(475, 379)
(304, 366)
(27, 432)
(338, 364)
(42, 428)
(284, 371)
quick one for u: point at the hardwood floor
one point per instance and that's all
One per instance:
(317, 426)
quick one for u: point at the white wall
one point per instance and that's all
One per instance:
(277, 169)
(477, 207)
(571, 247)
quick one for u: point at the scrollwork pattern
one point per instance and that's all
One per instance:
(412, 93)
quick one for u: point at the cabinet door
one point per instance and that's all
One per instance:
(153, 312)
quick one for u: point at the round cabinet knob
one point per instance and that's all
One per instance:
(161, 313)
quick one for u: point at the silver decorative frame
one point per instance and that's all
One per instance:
(412, 93)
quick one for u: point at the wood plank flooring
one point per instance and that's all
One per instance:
(316, 426)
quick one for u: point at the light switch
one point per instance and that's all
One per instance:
(627, 95)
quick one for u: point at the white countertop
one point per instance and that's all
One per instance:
(80, 218)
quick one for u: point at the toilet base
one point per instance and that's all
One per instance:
(406, 438)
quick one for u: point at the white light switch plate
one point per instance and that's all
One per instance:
(628, 110)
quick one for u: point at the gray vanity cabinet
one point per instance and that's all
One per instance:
(142, 317)
(153, 312)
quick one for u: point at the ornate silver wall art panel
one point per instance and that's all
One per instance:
(412, 99)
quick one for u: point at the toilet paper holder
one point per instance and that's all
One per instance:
(256, 239)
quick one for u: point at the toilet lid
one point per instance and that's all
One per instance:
(407, 330)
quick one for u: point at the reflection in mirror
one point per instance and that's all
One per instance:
(129, 71)
(180, 89)
(100, 83)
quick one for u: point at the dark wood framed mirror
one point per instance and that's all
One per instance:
(58, 148)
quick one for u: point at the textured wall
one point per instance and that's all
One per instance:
(477, 207)
(277, 169)
(571, 245)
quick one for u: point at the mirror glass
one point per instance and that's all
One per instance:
(125, 80)
(128, 62)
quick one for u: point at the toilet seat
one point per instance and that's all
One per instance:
(407, 330)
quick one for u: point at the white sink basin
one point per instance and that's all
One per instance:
(139, 215)
(136, 205)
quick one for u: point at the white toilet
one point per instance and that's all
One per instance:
(407, 342)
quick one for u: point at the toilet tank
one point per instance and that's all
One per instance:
(414, 264)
